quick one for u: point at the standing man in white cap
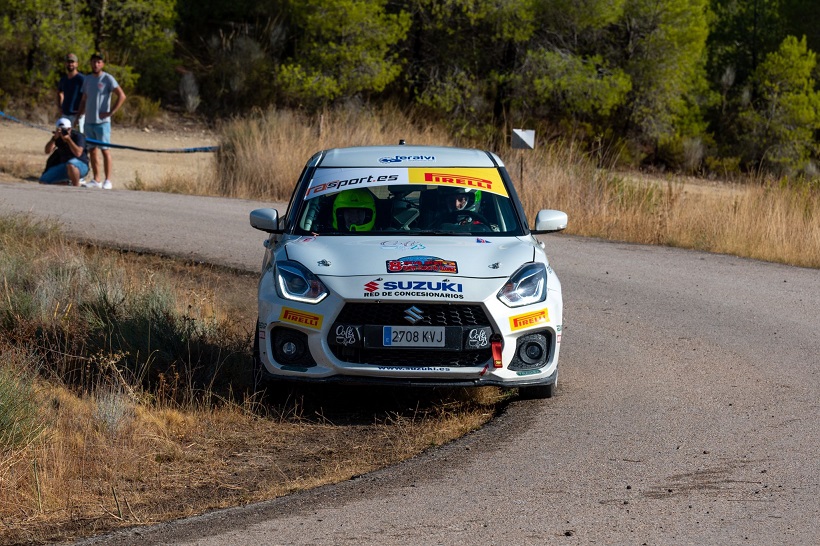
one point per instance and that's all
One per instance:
(70, 92)
(68, 161)
(96, 104)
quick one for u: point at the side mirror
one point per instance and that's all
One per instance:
(549, 221)
(265, 220)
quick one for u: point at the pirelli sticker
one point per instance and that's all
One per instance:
(528, 320)
(483, 179)
(301, 318)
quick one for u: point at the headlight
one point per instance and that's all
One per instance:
(526, 286)
(295, 282)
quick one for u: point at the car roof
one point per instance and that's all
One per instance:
(407, 156)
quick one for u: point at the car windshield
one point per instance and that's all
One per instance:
(469, 202)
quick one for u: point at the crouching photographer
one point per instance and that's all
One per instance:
(68, 162)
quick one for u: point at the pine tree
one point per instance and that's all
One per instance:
(778, 123)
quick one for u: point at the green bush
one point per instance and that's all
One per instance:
(724, 167)
(139, 110)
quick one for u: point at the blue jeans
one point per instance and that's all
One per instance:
(58, 173)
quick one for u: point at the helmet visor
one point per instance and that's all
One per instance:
(353, 219)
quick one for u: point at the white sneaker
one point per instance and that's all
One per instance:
(93, 184)
(107, 185)
(82, 182)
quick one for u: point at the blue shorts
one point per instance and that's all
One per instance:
(58, 173)
(100, 132)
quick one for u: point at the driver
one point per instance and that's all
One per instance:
(354, 210)
(456, 203)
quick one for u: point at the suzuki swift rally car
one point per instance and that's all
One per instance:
(408, 265)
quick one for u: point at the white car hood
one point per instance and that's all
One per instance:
(477, 257)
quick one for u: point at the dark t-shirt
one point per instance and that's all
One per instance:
(63, 153)
(72, 89)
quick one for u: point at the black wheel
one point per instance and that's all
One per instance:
(258, 379)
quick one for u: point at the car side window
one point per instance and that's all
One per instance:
(310, 218)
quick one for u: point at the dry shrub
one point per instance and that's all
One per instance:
(21, 167)
(261, 156)
(769, 221)
(20, 422)
(139, 111)
(772, 222)
(87, 477)
(100, 454)
(174, 182)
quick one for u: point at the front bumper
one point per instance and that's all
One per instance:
(364, 380)
(305, 344)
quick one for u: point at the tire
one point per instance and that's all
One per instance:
(258, 379)
(539, 392)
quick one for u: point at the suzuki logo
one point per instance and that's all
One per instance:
(372, 286)
(414, 315)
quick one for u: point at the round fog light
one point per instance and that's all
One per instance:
(289, 348)
(534, 351)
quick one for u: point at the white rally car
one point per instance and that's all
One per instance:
(408, 265)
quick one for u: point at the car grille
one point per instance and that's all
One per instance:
(390, 314)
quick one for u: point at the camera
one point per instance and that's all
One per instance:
(64, 130)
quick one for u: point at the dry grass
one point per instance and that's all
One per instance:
(760, 219)
(101, 444)
(182, 184)
(106, 460)
(262, 157)
(17, 167)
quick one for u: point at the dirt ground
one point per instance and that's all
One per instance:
(23, 153)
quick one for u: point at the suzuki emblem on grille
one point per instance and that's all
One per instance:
(414, 314)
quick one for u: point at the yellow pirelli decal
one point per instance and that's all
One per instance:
(483, 179)
(527, 320)
(301, 318)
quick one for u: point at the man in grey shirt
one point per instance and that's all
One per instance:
(96, 105)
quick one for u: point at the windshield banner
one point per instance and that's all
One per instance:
(475, 179)
(329, 181)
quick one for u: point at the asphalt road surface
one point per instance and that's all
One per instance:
(687, 411)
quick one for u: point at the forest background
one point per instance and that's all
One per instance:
(716, 87)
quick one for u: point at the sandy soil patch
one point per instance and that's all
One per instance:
(23, 155)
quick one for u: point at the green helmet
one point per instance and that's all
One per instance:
(354, 210)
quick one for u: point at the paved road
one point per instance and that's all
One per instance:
(199, 228)
(687, 411)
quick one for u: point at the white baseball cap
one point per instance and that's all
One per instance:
(63, 122)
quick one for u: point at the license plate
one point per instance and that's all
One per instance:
(413, 336)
